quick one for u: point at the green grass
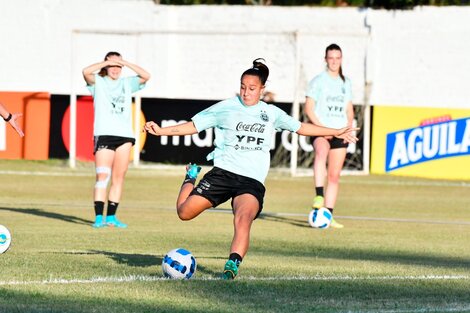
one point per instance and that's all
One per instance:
(405, 247)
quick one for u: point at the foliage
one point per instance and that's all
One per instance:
(386, 4)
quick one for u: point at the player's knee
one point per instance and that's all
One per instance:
(103, 175)
(333, 178)
(184, 214)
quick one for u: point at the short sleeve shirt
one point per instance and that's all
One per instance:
(244, 135)
(331, 96)
(113, 105)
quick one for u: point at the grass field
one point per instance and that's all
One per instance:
(405, 246)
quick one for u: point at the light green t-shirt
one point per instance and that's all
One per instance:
(331, 96)
(244, 135)
(113, 105)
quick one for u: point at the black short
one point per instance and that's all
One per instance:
(110, 142)
(335, 143)
(219, 185)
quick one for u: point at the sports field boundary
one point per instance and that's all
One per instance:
(142, 278)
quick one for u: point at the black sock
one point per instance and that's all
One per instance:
(112, 208)
(99, 207)
(235, 257)
(319, 191)
(188, 179)
(331, 210)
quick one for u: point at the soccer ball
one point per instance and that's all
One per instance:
(320, 218)
(179, 264)
(5, 239)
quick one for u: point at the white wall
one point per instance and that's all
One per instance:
(416, 57)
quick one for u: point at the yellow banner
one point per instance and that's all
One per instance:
(421, 142)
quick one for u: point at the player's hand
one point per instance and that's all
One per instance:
(15, 125)
(348, 134)
(152, 128)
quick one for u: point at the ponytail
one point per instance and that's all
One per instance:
(259, 69)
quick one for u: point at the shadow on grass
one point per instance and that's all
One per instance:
(57, 216)
(269, 217)
(355, 254)
(242, 296)
(140, 260)
(285, 220)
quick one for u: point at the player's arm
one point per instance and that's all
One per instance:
(11, 119)
(89, 71)
(309, 110)
(346, 133)
(143, 74)
(350, 113)
(187, 128)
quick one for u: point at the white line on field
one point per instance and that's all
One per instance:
(178, 171)
(433, 309)
(365, 218)
(141, 278)
(265, 214)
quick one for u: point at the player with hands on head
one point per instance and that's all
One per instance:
(11, 118)
(113, 132)
(329, 103)
(244, 127)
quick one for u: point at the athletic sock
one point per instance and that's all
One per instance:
(188, 179)
(319, 191)
(112, 208)
(99, 207)
(235, 257)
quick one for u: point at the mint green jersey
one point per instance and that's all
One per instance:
(113, 105)
(331, 96)
(244, 135)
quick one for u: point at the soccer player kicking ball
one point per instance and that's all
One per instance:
(244, 128)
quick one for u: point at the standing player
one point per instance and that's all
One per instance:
(11, 119)
(329, 104)
(244, 128)
(113, 134)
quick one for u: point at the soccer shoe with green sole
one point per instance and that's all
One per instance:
(112, 221)
(230, 270)
(335, 224)
(318, 202)
(192, 170)
(99, 222)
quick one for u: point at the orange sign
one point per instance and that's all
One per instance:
(35, 107)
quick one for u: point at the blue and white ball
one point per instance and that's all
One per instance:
(179, 264)
(5, 239)
(320, 218)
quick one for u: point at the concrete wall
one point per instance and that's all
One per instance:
(412, 58)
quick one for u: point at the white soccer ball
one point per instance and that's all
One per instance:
(5, 239)
(179, 264)
(320, 218)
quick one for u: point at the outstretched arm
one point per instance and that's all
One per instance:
(187, 128)
(11, 119)
(346, 133)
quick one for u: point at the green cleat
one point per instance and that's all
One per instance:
(335, 224)
(318, 202)
(230, 270)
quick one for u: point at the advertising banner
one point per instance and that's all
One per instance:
(164, 149)
(35, 107)
(421, 142)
